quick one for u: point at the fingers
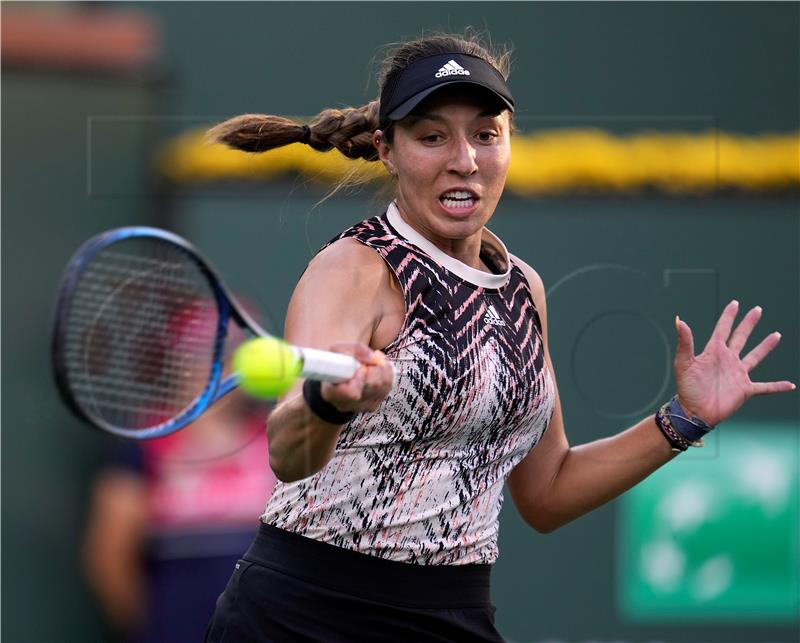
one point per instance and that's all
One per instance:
(725, 322)
(344, 395)
(361, 352)
(378, 358)
(685, 351)
(743, 330)
(754, 357)
(370, 384)
(765, 388)
(378, 381)
(378, 371)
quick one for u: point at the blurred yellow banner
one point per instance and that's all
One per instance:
(548, 162)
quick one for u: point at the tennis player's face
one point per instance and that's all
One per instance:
(450, 157)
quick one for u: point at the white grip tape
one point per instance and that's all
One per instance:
(327, 366)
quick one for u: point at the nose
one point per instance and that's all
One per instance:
(463, 157)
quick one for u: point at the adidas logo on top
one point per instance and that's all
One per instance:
(491, 317)
(451, 68)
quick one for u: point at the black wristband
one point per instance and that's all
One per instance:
(324, 410)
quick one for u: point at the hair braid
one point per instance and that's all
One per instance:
(349, 130)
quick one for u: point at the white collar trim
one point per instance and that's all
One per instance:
(467, 273)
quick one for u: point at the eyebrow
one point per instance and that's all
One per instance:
(429, 116)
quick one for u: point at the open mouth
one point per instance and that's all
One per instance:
(458, 199)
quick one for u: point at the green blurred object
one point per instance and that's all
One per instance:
(716, 539)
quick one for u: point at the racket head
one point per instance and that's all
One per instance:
(139, 333)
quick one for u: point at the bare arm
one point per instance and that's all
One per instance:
(112, 547)
(556, 483)
(347, 300)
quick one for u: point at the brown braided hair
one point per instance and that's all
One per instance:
(350, 130)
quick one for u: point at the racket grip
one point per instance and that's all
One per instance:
(327, 366)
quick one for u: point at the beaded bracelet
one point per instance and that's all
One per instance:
(681, 431)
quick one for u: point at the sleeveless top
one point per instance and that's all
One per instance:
(420, 479)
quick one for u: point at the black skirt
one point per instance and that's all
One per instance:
(289, 588)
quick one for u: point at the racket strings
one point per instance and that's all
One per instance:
(141, 330)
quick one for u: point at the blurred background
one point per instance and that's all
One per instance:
(656, 172)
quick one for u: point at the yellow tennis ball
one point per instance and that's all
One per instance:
(267, 367)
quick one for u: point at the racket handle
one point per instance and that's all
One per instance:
(326, 366)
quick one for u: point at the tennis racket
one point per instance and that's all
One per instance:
(139, 334)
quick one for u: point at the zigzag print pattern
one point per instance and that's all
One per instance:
(420, 480)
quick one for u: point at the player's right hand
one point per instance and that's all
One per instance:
(368, 387)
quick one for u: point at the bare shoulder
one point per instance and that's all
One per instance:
(346, 267)
(343, 295)
(346, 254)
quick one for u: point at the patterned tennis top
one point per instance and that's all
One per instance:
(420, 479)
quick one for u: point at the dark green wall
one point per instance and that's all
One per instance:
(625, 67)
(733, 63)
(47, 457)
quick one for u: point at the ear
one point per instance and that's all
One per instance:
(384, 151)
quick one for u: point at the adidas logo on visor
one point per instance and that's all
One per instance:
(451, 68)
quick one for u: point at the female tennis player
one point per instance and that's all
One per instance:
(384, 527)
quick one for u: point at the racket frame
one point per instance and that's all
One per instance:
(227, 308)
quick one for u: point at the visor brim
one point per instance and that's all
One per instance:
(405, 108)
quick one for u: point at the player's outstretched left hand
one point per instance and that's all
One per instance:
(715, 383)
